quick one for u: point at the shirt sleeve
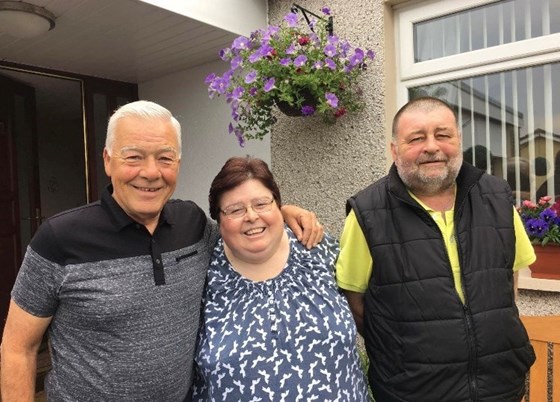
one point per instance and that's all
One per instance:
(354, 264)
(524, 252)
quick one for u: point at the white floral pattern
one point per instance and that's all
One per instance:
(290, 338)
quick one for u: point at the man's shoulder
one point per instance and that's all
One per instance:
(491, 184)
(77, 217)
(184, 210)
(176, 203)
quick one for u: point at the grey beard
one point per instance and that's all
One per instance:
(418, 183)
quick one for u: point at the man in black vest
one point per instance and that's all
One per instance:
(428, 261)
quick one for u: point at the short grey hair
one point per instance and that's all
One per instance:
(144, 110)
(424, 104)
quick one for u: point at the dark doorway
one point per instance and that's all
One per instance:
(52, 132)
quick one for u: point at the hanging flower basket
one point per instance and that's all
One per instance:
(293, 111)
(298, 67)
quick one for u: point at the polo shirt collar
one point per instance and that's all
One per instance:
(120, 218)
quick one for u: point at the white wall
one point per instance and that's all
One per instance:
(237, 16)
(206, 141)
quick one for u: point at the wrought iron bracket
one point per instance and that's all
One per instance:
(329, 21)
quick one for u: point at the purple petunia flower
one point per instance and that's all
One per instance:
(330, 64)
(270, 33)
(251, 77)
(318, 65)
(332, 39)
(237, 93)
(291, 49)
(326, 11)
(345, 47)
(220, 85)
(307, 110)
(330, 50)
(240, 138)
(269, 85)
(241, 43)
(285, 61)
(370, 54)
(300, 61)
(236, 62)
(209, 78)
(357, 57)
(291, 19)
(252, 91)
(254, 57)
(332, 100)
(224, 53)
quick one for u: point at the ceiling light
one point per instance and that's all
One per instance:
(24, 20)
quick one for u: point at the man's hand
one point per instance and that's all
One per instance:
(304, 224)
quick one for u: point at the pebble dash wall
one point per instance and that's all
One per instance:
(318, 166)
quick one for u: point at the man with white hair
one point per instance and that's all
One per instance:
(118, 282)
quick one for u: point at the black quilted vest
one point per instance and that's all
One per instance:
(424, 344)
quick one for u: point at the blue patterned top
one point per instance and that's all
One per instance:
(290, 338)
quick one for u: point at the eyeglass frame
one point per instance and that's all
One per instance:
(245, 208)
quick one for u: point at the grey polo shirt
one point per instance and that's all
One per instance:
(125, 304)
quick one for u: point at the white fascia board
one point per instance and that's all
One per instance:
(237, 16)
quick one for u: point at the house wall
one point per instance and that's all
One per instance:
(318, 166)
(206, 141)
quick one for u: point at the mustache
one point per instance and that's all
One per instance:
(427, 159)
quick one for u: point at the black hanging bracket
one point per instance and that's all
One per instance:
(329, 21)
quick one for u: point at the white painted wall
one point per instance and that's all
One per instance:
(237, 16)
(206, 141)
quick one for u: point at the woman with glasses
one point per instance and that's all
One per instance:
(275, 327)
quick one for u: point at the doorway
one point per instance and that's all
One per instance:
(43, 159)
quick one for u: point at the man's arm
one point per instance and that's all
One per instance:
(356, 302)
(304, 224)
(20, 343)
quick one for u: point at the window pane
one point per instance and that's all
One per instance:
(486, 26)
(511, 125)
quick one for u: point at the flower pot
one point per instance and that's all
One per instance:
(294, 111)
(547, 265)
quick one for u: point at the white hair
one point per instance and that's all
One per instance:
(144, 110)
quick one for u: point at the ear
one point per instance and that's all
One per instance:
(394, 150)
(107, 162)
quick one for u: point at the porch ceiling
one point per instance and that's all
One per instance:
(125, 40)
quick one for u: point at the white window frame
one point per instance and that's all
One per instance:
(520, 54)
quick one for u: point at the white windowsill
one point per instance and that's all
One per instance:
(526, 282)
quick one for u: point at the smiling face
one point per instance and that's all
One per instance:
(143, 167)
(427, 150)
(252, 238)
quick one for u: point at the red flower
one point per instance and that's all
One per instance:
(340, 112)
(304, 40)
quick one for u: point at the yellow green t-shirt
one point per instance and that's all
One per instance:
(355, 265)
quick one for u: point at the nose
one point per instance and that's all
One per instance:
(431, 145)
(150, 169)
(251, 215)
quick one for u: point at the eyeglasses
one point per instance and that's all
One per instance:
(260, 206)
